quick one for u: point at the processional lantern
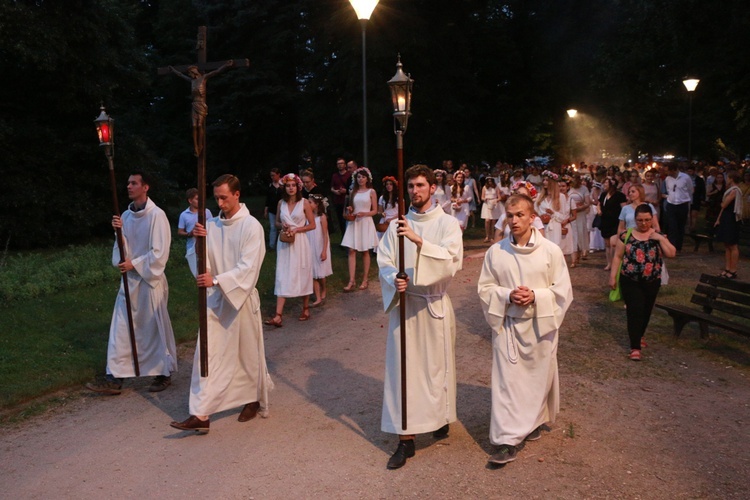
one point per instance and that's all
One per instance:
(400, 86)
(105, 128)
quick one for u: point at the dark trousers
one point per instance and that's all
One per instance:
(639, 297)
(677, 216)
(339, 208)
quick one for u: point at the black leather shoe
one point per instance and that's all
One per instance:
(249, 411)
(193, 423)
(405, 450)
(160, 383)
(442, 432)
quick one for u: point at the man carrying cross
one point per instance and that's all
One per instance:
(200, 109)
(235, 247)
(433, 253)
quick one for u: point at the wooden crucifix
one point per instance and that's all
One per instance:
(197, 75)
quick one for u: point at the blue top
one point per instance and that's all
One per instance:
(627, 214)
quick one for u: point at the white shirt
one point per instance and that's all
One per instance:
(680, 189)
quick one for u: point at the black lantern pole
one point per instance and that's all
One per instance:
(105, 129)
(401, 87)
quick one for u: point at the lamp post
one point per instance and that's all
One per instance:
(690, 84)
(572, 113)
(105, 129)
(364, 9)
(401, 87)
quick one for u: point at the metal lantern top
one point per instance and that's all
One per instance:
(401, 88)
(690, 84)
(364, 8)
(105, 128)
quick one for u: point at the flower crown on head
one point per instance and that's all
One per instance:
(320, 198)
(551, 175)
(441, 172)
(391, 179)
(361, 170)
(529, 187)
(292, 177)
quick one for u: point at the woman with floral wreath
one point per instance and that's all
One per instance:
(552, 207)
(360, 236)
(294, 267)
(387, 204)
(461, 196)
(442, 196)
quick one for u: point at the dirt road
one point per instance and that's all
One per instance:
(672, 426)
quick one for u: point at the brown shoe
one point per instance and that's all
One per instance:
(160, 383)
(249, 411)
(193, 423)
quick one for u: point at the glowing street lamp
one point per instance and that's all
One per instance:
(364, 9)
(690, 84)
(572, 113)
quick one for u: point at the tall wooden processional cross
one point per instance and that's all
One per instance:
(197, 75)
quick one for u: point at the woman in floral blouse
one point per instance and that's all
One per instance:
(640, 276)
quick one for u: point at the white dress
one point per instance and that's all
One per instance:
(462, 213)
(389, 212)
(360, 233)
(443, 198)
(293, 260)
(568, 242)
(553, 229)
(321, 268)
(491, 205)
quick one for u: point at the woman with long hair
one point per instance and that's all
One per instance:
(442, 196)
(569, 238)
(387, 204)
(461, 198)
(294, 270)
(640, 274)
(580, 201)
(728, 224)
(320, 245)
(714, 197)
(492, 207)
(552, 207)
(636, 197)
(610, 204)
(360, 236)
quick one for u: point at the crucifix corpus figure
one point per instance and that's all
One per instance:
(200, 108)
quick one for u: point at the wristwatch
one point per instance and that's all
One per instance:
(215, 282)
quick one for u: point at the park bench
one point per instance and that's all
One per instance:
(715, 294)
(707, 235)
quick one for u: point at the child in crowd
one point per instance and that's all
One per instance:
(320, 246)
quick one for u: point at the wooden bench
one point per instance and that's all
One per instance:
(706, 235)
(731, 297)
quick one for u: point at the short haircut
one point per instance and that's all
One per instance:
(275, 170)
(145, 177)
(190, 193)
(671, 167)
(421, 170)
(517, 198)
(734, 175)
(307, 173)
(232, 182)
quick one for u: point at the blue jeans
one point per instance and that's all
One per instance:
(272, 231)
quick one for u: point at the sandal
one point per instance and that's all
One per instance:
(305, 314)
(730, 275)
(635, 354)
(723, 274)
(318, 303)
(350, 287)
(364, 285)
(274, 322)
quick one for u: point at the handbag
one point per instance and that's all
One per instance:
(597, 222)
(287, 237)
(615, 295)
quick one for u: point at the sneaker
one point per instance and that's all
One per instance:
(635, 354)
(405, 450)
(160, 383)
(506, 453)
(535, 434)
(643, 343)
(110, 386)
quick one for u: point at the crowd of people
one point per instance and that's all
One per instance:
(538, 224)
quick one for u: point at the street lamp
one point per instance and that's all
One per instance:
(572, 113)
(364, 9)
(401, 86)
(690, 84)
(105, 130)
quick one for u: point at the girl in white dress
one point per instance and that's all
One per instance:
(294, 277)
(360, 236)
(492, 204)
(551, 207)
(461, 198)
(320, 245)
(387, 205)
(442, 196)
(569, 240)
